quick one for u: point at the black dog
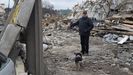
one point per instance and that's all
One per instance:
(78, 60)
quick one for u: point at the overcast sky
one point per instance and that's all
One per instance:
(58, 4)
(64, 4)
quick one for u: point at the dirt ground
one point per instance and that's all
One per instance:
(59, 57)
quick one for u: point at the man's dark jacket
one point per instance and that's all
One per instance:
(85, 25)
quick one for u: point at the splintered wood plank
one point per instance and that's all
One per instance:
(128, 22)
(122, 27)
(127, 25)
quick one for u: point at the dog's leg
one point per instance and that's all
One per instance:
(78, 66)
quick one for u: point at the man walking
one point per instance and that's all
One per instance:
(85, 25)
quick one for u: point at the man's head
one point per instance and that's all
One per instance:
(84, 13)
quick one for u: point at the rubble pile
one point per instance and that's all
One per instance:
(120, 25)
(113, 18)
(62, 44)
(98, 9)
(114, 22)
(101, 9)
(55, 22)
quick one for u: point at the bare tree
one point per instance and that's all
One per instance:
(47, 4)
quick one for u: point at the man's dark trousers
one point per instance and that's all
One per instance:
(84, 40)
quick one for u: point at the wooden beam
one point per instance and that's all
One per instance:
(114, 32)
